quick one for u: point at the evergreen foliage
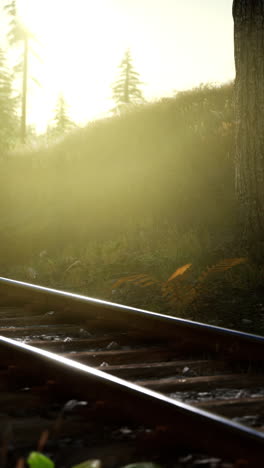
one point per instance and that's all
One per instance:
(62, 121)
(17, 32)
(8, 119)
(126, 89)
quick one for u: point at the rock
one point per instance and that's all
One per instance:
(112, 345)
(84, 333)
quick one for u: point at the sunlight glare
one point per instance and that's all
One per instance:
(80, 45)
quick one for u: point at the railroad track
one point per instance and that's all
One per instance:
(84, 378)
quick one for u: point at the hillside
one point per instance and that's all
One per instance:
(168, 163)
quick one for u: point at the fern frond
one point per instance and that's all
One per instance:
(143, 280)
(221, 266)
(180, 271)
(149, 283)
(127, 278)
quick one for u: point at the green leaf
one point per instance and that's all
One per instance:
(89, 464)
(142, 465)
(37, 460)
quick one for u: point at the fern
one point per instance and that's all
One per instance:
(199, 287)
(221, 266)
(176, 290)
(123, 280)
(179, 272)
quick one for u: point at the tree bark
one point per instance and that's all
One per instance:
(249, 107)
(24, 92)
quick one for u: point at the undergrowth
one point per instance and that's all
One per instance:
(178, 291)
(165, 164)
(211, 289)
(145, 192)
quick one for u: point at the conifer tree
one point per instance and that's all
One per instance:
(16, 30)
(19, 34)
(62, 121)
(8, 118)
(126, 89)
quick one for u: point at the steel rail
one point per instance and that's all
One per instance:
(187, 426)
(185, 333)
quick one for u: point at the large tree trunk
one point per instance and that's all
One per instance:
(24, 92)
(249, 107)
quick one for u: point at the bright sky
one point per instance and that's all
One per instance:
(175, 45)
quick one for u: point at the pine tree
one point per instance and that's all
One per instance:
(126, 89)
(62, 121)
(8, 118)
(16, 32)
(19, 34)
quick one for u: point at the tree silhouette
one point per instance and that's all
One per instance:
(62, 122)
(8, 118)
(126, 88)
(249, 107)
(19, 34)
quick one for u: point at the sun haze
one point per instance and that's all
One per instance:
(174, 46)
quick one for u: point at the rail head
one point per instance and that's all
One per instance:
(212, 338)
(144, 405)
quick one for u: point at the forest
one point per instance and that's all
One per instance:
(139, 207)
(132, 233)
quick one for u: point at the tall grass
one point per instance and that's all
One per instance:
(167, 163)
